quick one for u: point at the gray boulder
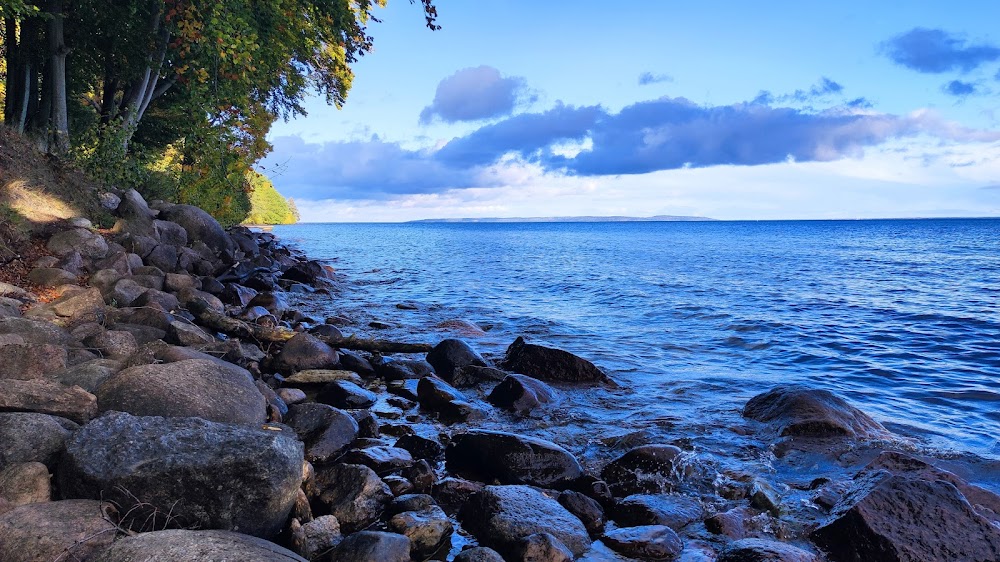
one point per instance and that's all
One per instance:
(212, 475)
(373, 546)
(647, 542)
(647, 469)
(200, 226)
(326, 431)
(77, 530)
(352, 493)
(47, 397)
(25, 483)
(304, 352)
(34, 331)
(196, 546)
(87, 243)
(31, 360)
(30, 437)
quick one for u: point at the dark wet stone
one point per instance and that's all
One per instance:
(56, 531)
(421, 447)
(204, 473)
(422, 475)
(309, 272)
(452, 493)
(760, 550)
(354, 362)
(648, 469)
(512, 459)
(450, 355)
(646, 542)
(346, 395)
(196, 546)
(273, 302)
(548, 364)
(437, 396)
(368, 426)
(586, 509)
(764, 497)
(236, 295)
(328, 331)
(427, 527)
(793, 410)
(542, 547)
(671, 510)
(304, 352)
(472, 375)
(353, 493)
(500, 516)
(373, 546)
(326, 431)
(479, 554)
(31, 437)
(521, 393)
(730, 523)
(383, 460)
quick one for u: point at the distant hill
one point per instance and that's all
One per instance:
(657, 218)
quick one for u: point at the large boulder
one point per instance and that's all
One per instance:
(549, 364)
(353, 493)
(87, 243)
(72, 307)
(438, 396)
(901, 511)
(31, 361)
(304, 352)
(512, 459)
(196, 546)
(521, 394)
(373, 546)
(77, 530)
(794, 410)
(189, 388)
(34, 331)
(500, 516)
(674, 511)
(47, 397)
(761, 550)
(646, 542)
(326, 431)
(200, 226)
(647, 469)
(450, 356)
(212, 475)
(31, 437)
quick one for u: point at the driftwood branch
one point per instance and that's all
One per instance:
(222, 323)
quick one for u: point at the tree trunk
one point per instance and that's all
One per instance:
(58, 125)
(140, 94)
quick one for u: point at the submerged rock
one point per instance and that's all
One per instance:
(549, 364)
(793, 410)
(648, 469)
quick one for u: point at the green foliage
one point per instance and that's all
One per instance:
(267, 206)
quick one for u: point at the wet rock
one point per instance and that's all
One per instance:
(586, 509)
(237, 295)
(764, 497)
(673, 511)
(793, 410)
(730, 523)
(421, 447)
(548, 364)
(309, 273)
(315, 537)
(327, 331)
(500, 516)
(304, 352)
(521, 393)
(51, 531)
(479, 554)
(398, 485)
(402, 369)
(648, 469)
(451, 492)
(31, 361)
(353, 493)
(373, 546)
(29, 437)
(427, 528)
(196, 546)
(47, 397)
(85, 242)
(422, 475)
(326, 431)
(368, 426)
(347, 395)
(212, 475)
(354, 362)
(193, 387)
(451, 355)
(200, 226)
(760, 550)
(25, 483)
(383, 460)
(646, 542)
(512, 459)
(893, 517)
(437, 396)
(541, 547)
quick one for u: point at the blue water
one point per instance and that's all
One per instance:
(900, 317)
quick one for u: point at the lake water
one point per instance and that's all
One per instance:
(900, 317)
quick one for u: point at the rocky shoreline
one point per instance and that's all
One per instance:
(170, 402)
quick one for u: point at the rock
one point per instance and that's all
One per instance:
(237, 295)
(159, 299)
(326, 431)
(315, 537)
(51, 277)
(31, 361)
(89, 244)
(764, 497)
(200, 226)
(196, 546)
(512, 459)
(354, 362)
(109, 200)
(383, 460)
(291, 396)
(399, 370)
(730, 523)
(346, 394)
(542, 547)
(10, 307)
(51, 531)
(422, 475)
(189, 335)
(170, 233)
(34, 331)
(353, 493)
(48, 397)
(174, 282)
(29, 437)
(586, 509)
(461, 327)
(193, 387)
(309, 273)
(72, 307)
(548, 364)
(114, 344)
(479, 554)
(902, 517)
(25, 483)
(521, 393)
(133, 206)
(304, 352)
(500, 516)
(427, 528)
(437, 396)
(212, 475)
(451, 355)
(421, 447)
(760, 550)
(648, 469)
(188, 296)
(452, 493)
(373, 546)
(124, 293)
(646, 542)
(327, 331)
(793, 410)
(163, 256)
(673, 511)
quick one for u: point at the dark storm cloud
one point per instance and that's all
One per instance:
(959, 88)
(935, 51)
(472, 94)
(647, 78)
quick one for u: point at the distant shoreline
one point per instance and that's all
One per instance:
(656, 218)
(536, 220)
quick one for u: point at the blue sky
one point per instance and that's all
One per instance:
(732, 110)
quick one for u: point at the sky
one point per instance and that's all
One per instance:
(725, 109)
